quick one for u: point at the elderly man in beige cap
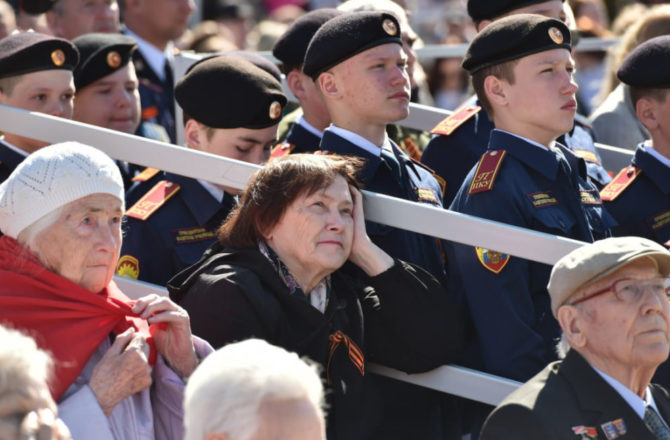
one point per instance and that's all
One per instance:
(611, 300)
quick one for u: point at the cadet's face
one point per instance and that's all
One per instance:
(47, 91)
(243, 144)
(84, 16)
(375, 84)
(542, 100)
(83, 245)
(111, 102)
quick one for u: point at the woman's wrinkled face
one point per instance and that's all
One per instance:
(315, 233)
(83, 245)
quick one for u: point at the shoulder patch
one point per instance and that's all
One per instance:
(282, 149)
(146, 174)
(487, 171)
(492, 260)
(455, 120)
(128, 266)
(619, 183)
(152, 200)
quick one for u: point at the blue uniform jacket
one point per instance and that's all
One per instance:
(302, 139)
(9, 160)
(452, 157)
(515, 330)
(643, 208)
(176, 234)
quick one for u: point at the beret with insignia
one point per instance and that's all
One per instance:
(648, 64)
(229, 92)
(101, 54)
(347, 35)
(489, 9)
(28, 52)
(291, 47)
(515, 37)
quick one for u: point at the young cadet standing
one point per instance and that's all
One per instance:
(523, 73)
(359, 67)
(462, 137)
(35, 75)
(231, 108)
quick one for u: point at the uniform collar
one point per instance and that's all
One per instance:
(358, 140)
(646, 159)
(200, 202)
(335, 143)
(155, 57)
(540, 159)
(302, 122)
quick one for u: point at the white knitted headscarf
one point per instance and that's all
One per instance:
(51, 178)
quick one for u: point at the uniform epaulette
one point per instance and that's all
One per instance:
(455, 120)
(619, 183)
(146, 174)
(152, 200)
(282, 149)
(487, 171)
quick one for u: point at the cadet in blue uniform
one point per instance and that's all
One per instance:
(525, 179)
(639, 196)
(462, 138)
(359, 66)
(231, 108)
(33, 65)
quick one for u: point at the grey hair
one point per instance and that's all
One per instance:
(225, 392)
(562, 346)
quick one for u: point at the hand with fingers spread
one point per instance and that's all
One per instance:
(364, 253)
(42, 424)
(122, 371)
(170, 326)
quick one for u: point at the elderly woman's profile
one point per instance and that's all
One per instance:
(119, 364)
(294, 266)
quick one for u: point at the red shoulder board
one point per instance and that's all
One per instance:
(455, 120)
(154, 199)
(146, 174)
(282, 149)
(619, 183)
(487, 171)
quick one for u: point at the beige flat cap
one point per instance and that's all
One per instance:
(594, 261)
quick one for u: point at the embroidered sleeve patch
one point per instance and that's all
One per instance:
(455, 120)
(426, 195)
(192, 235)
(487, 171)
(154, 199)
(128, 266)
(619, 183)
(282, 149)
(659, 220)
(492, 260)
(541, 199)
(590, 197)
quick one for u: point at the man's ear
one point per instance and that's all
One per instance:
(571, 322)
(645, 109)
(294, 81)
(495, 91)
(193, 134)
(328, 85)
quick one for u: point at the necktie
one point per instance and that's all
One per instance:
(655, 424)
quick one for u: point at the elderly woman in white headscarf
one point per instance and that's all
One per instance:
(60, 213)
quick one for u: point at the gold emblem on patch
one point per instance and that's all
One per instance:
(275, 110)
(58, 57)
(389, 27)
(113, 59)
(556, 35)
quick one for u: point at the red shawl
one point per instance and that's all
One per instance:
(65, 319)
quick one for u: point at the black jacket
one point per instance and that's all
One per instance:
(401, 318)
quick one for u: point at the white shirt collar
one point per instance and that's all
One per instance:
(530, 141)
(309, 127)
(14, 148)
(638, 404)
(360, 141)
(214, 190)
(664, 160)
(153, 55)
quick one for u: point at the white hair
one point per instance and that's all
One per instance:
(225, 392)
(562, 346)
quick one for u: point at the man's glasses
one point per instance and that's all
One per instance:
(631, 291)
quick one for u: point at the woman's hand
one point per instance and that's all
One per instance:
(364, 253)
(171, 328)
(122, 371)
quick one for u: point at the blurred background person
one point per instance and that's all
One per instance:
(71, 18)
(7, 19)
(447, 80)
(252, 390)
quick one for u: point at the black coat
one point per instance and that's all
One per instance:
(401, 318)
(562, 398)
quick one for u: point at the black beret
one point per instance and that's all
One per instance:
(648, 65)
(229, 92)
(35, 7)
(489, 9)
(515, 37)
(101, 54)
(291, 47)
(27, 52)
(257, 60)
(347, 35)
